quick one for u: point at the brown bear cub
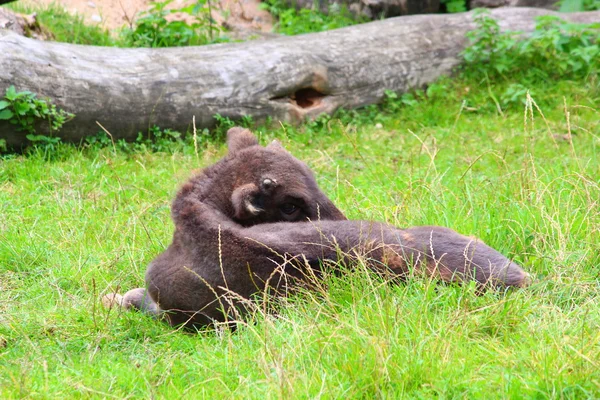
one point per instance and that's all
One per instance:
(256, 220)
(251, 185)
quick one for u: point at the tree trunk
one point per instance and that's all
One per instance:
(288, 78)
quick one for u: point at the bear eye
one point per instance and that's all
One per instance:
(288, 208)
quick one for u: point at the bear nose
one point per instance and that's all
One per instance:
(268, 184)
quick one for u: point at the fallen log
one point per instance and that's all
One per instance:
(288, 78)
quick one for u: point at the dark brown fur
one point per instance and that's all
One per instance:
(227, 248)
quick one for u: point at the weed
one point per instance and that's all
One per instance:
(157, 140)
(293, 21)
(153, 29)
(579, 5)
(223, 124)
(66, 27)
(26, 111)
(515, 95)
(454, 6)
(99, 140)
(555, 50)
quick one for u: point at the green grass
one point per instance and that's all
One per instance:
(152, 29)
(295, 21)
(66, 27)
(81, 222)
(472, 153)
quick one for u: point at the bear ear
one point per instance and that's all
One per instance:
(276, 146)
(240, 138)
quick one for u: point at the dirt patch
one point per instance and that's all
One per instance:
(21, 24)
(113, 14)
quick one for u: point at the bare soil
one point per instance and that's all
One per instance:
(241, 15)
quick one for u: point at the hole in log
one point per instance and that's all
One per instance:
(309, 97)
(304, 98)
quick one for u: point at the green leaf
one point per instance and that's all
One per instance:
(571, 6)
(4, 104)
(6, 114)
(36, 138)
(25, 93)
(21, 108)
(11, 93)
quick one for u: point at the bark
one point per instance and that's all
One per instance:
(288, 78)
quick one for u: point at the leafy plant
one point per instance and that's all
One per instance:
(154, 29)
(438, 89)
(292, 21)
(556, 49)
(455, 6)
(25, 110)
(488, 47)
(223, 124)
(394, 101)
(65, 27)
(157, 140)
(515, 94)
(47, 145)
(100, 140)
(579, 5)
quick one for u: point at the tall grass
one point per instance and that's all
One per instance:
(513, 158)
(88, 221)
(65, 27)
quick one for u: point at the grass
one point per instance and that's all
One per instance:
(294, 21)
(87, 221)
(510, 156)
(151, 29)
(66, 27)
